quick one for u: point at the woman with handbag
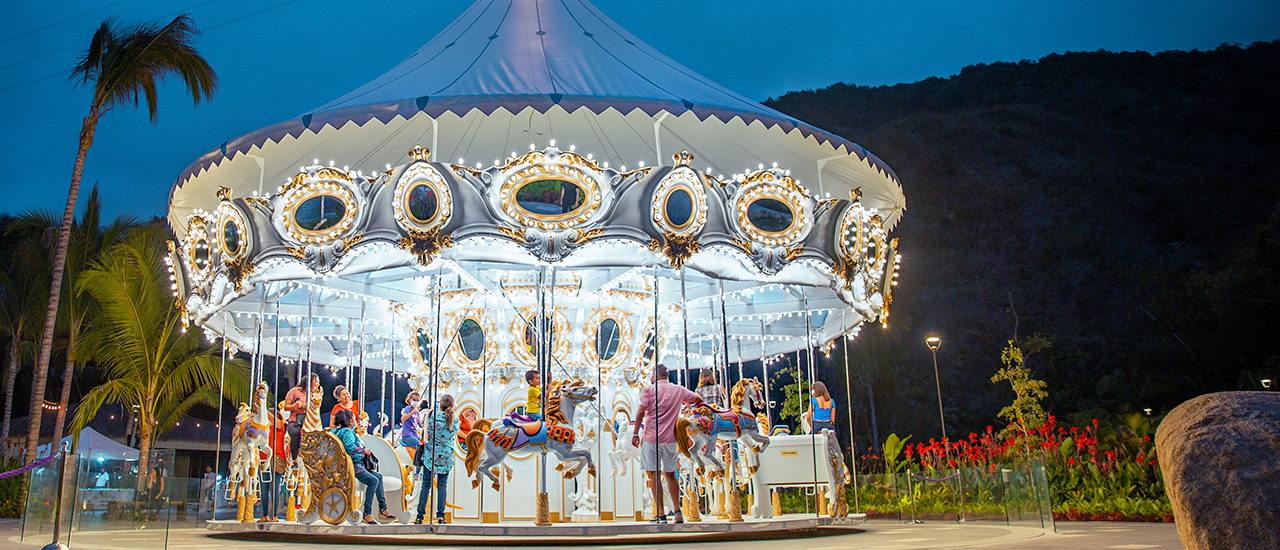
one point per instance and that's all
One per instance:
(438, 436)
(366, 473)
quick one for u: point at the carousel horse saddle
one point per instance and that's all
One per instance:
(517, 418)
(533, 433)
(705, 408)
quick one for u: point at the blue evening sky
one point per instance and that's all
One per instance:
(281, 58)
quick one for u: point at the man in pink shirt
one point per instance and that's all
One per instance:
(659, 407)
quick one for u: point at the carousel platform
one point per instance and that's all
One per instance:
(519, 533)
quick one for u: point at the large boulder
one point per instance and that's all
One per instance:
(1220, 456)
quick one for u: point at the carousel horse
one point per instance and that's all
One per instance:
(697, 431)
(837, 476)
(553, 434)
(249, 443)
(296, 482)
(621, 456)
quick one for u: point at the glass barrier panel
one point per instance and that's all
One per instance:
(1040, 478)
(121, 501)
(983, 495)
(879, 498)
(38, 509)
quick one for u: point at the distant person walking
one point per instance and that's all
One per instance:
(207, 485)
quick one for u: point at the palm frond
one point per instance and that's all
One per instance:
(126, 63)
(111, 391)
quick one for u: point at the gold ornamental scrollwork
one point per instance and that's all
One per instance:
(332, 476)
(515, 234)
(846, 269)
(585, 236)
(419, 153)
(238, 270)
(683, 158)
(424, 245)
(679, 248)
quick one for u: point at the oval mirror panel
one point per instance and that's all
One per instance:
(770, 215)
(551, 197)
(607, 339)
(231, 238)
(471, 338)
(531, 336)
(650, 343)
(319, 213)
(679, 208)
(202, 254)
(422, 203)
(424, 347)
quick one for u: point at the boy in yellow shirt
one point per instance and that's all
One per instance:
(533, 404)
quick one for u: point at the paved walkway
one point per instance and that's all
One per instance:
(876, 536)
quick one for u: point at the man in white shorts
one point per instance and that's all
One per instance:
(659, 407)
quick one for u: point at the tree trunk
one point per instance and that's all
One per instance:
(64, 401)
(39, 377)
(8, 385)
(144, 449)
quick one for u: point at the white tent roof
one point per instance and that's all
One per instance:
(509, 73)
(93, 444)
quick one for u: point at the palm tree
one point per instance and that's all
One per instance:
(147, 359)
(23, 282)
(88, 239)
(122, 63)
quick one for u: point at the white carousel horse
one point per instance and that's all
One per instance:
(696, 432)
(511, 435)
(621, 456)
(249, 446)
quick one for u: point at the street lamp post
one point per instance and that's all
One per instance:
(933, 342)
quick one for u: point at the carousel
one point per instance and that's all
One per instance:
(535, 189)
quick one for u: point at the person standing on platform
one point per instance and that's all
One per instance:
(439, 431)
(821, 407)
(711, 392)
(533, 401)
(344, 403)
(659, 407)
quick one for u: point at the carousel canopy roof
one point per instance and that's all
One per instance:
(508, 73)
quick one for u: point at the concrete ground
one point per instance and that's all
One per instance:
(886, 536)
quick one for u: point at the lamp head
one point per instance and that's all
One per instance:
(933, 341)
(1266, 383)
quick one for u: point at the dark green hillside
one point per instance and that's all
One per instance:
(1124, 205)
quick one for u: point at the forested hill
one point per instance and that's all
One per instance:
(1123, 206)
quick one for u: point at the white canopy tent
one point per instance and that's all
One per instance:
(93, 444)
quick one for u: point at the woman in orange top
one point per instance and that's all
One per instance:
(344, 403)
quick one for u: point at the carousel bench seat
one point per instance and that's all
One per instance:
(334, 488)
